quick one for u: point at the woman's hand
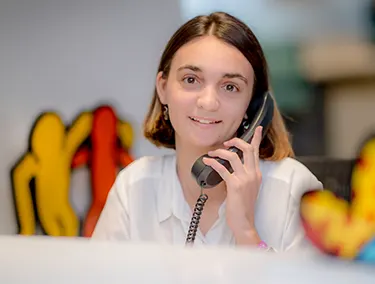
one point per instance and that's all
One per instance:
(242, 185)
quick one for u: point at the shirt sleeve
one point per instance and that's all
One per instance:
(294, 236)
(113, 223)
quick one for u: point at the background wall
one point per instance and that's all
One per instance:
(70, 55)
(276, 21)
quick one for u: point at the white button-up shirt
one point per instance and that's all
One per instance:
(146, 203)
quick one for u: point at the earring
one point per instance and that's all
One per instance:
(165, 112)
(245, 124)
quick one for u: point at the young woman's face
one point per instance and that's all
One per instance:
(208, 90)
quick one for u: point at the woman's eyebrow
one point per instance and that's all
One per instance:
(190, 67)
(226, 75)
(235, 75)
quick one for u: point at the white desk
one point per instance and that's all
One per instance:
(46, 260)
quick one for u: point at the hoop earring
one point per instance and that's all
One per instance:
(245, 124)
(165, 112)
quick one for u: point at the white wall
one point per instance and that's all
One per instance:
(72, 54)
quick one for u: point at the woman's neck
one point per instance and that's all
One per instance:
(186, 155)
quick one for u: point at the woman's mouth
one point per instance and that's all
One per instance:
(204, 120)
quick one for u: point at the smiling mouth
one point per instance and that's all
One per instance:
(204, 121)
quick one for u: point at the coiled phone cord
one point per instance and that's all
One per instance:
(193, 228)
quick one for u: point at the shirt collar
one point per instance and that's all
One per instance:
(165, 192)
(170, 197)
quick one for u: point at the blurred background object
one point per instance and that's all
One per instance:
(335, 174)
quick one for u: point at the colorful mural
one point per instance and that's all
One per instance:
(41, 183)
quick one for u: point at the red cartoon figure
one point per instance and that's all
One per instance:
(105, 152)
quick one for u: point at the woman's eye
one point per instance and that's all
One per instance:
(190, 80)
(231, 88)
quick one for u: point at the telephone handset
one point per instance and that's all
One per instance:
(260, 114)
(206, 176)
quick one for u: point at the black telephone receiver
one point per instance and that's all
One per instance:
(260, 114)
(262, 111)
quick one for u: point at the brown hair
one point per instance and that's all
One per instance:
(276, 144)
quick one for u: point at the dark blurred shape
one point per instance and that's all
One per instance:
(335, 174)
(307, 125)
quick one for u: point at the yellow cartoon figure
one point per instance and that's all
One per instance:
(47, 166)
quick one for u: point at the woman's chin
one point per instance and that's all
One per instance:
(200, 143)
(206, 143)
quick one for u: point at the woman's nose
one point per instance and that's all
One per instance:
(208, 99)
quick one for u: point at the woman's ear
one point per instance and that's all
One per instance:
(161, 84)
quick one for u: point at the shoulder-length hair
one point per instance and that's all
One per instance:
(276, 144)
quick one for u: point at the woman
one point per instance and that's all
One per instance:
(211, 70)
